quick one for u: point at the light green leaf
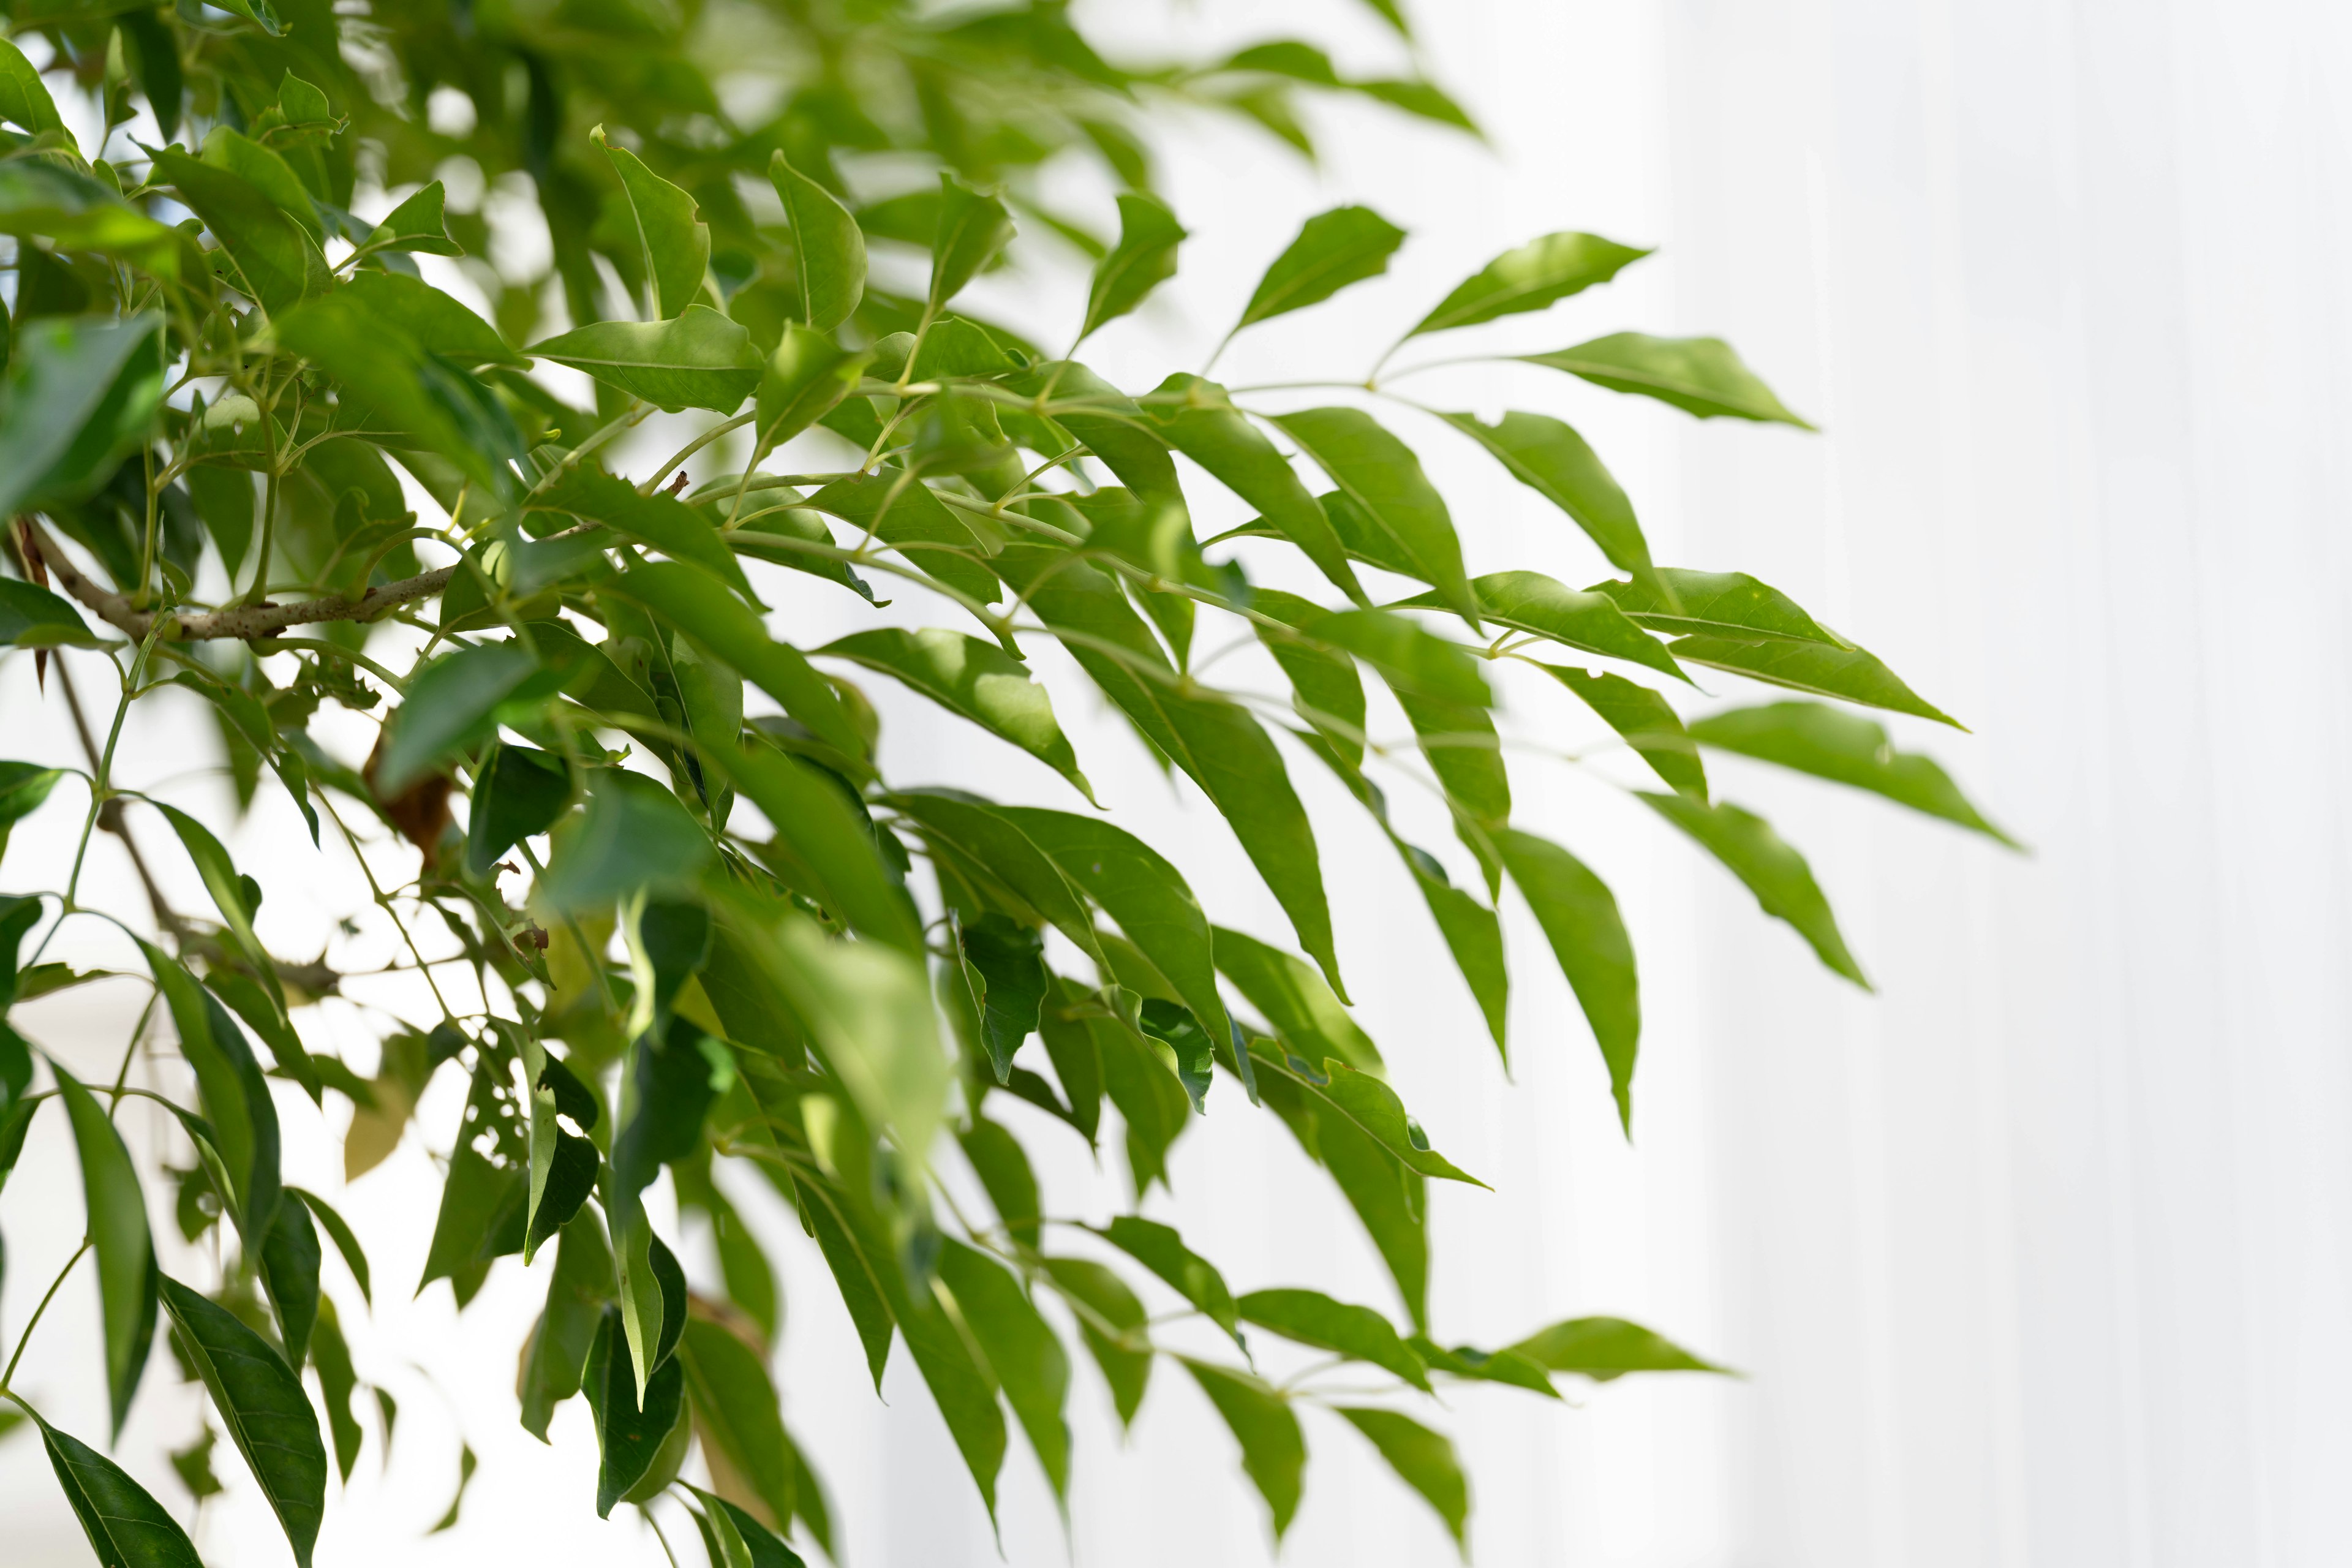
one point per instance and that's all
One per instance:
(635, 835)
(1484, 1366)
(261, 1402)
(975, 680)
(985, 842)
(1296, 1001)
(899, 509)
(1206, 428)
(117, 1233)
(1382, 477)
(1647, 721)
(735, 1406)
(1536, 275)
(277, 264)
(258, 12)
(821, 832)
(974, 228)
(1159, 1248)
(1580, 919)
(1005, 1174)
(1773, 871)
(1716, 605)
(1325, 688)
(1274, 1452)
(23, 788)
(699, 359)
(1411, 659)
(127, 1528)
(1550, 458)
(1029, 1363)
(1698, 375)
(667, 524)
(1370, 1106)
(1344, 246)
(438, 323)
(1846, 748)
(1606, 1348)
(1589, 621)
(77, 213)
(417, 225)
(829, 249)
(1144, 258)
(806, 375)
(1466, 754)
(1113, 1323)
(1424, 1460)
(24, 101)
(452, 706)
(81, 394)
(265, 171)
(1817, 669)
(676, 248)
(1356, 1332)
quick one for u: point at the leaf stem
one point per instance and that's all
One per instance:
(33, 1322)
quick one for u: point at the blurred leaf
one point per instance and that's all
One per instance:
(1159, 1248)
(1846, 748)
(1011, 962)
(1783, 884)
(1344, 246)
(1697, 375)
(735, 1409)
(338, 1383)
(828, 247)
(1606, 1348)
(676, 246)
(1295, 1001)
(1424, 1459)
(234, 1093)
(742, 1541)
(466, 1465)
(117, 1233)
(24, 101)
(1314, 1319)
(77, 213)
(265, 171)
(578, 1290)
(699, 359)
(127, 1528)
(341, 1234)
(1382, 477)
(1113, 1326)
(1274, 1452)
(261, 1403)
(1507, 1366)
(1028, 1362)
(1003, 1170)
(438, 323)
(1647, 720)
(821, 830)
(79, 395)
(974, 228)
(974, 679)
(416, 224)
(34, 618)
(635, 835)
(1536, 275)
(1580, 919)
(1144, 258)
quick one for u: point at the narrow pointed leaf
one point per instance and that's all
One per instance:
(1113, 1326)
(1716, 605)
(1698, 375)
(127, 1528)
(1580, 919)
(1029, 1363)
(117, 1228)
(735, 1407)
(1783, 884)
(1589, 621)
(1314, 1319)
(1344, 246)
(629, 1433)
(1324, 687)
(1274, 1451)
(24, 101)
(1550, 458)
(1846, 748)
(582, 1284)
(1533, 277)
(1381, 476)
(1159, 1248)
(289, 1269)
(1647, 721)
(1206, 428)
(1424, 1460)
(1606, 1348)
(975, 680)
(1144, 258)
(261, 1402)
(1817, 669)
(338, 1231)
(676, 246)
(78, 395)
(277, 263)
(668, 525)
(1294, 999)
(519, 795)
(1371, 1107)
(825, 839)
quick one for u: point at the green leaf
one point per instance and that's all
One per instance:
(1606, 1348)
(582, 1284)
(483, 1199)
(1589, 621)
(1424, 1460)
(34, 618)
(974, 228)
(1003, 1170)
(1381, 476)
(340, 1232)
(826, 842)
(1144, 258)
(81, 394)
(676, 248)
(339, 1382)
(438, 323)
(976, 835)
(1533, 277)
(1499, 1366)
(77, 213)
(735, 1406)
(1412, 660)
(1846, 748)
(1206, 428)
(1326, 689)
(127, 1528)
(1344, 246)
(265, 171)
(806, 375)
(1580, 919)
(261, 1402)
(452, 706)
(720, 625)
(975, 680)
(24, 101)
(519, 794)
(1113, 1325)
(258, 12)
(1010, 959)
(628, 1436)
(1159, 1248)
(635, 835)
(290, 1269)
(668, 525)
(742, 1541)
(236, 1095)
(1697, 375)
(1295, 1000)
(1647, 721)
(892, 506)
(1550, 458)
(1783, 884)
(1716, 605)
(1356, 1332)
(1465, 754)
(1816, 669)
(1371, 1107)
(828, 247)
(277, 264)
(1028, 1362)
(1274, 1452)
(697, 359)
(467, 1463)
(416, 224)
(117, 1233)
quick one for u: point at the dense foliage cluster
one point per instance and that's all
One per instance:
(676, 914)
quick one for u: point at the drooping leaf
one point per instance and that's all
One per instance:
(697, 359)
(1369, 1105)
(1580, 920)
(1817, 669)
(629, 1434)
(828, 247)
(1588, 621)
(1112, 1322)
(467, 1463)
(1003, 1170)
(1533, 276)
(484, 1198)
(892, 506)
(829, 847)
(1606, 1348)
(582, 1284)
(1468, 1362)
(1647, 721)
(1382, 478)
(127, 1528)
(340, 1232)
(332, 1357)
(1295, 1000)
(974, 228)
(234, 1093)
(1424, 1460)
(1274, 1451)
(80, 394)
(974, 679)
(261, 1402)
(1144, 258)
(117, 1233)
(1011, 963)
(1206, 428)
(1783, 884)
(290, 1269)
(667, 524)
(735, 1407)
(1344, 246)
(1314, 1319)
(1413, 660)
(1550, 458)
(1159, 1248)
(1698, 375)
(675, 245)
(1326, 689)
(1028, 1362)
(23, 786)
(1845, 748)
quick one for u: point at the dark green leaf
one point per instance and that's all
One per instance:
(1698, 375)
(980, 837)
(339, 1382)
(635, 835)
(483, 1199)
(697, 359)
(34, 618)
(577, 1292)
(261, 1402)
(79, 395)
(23, 786)
(438, 323)
(1314, 1319)
(1206, 428)
(452, 706)
(1009, 958)
(1295, 1001)
(1325, 688)
(1144, 258)
(262, 168)
(290, 1269)
(676, 247)
(1783, 884)
(1844, 747)
(1647, 721)
(974, 228)
(117, 1230)
(1550, 458)
(1344, 246)
(737, 1531)
(1159, 1248)
(628, 1436)
(828, 247)
(668, 525)
(827, 843)
(1381, 476)
(127, 1528)
(1815, 667)
(975, 680)
(1029, 1363)
(1606, 1348)
(277, 263)
(236, 1094)
(1274, 1453)
(1536, 275)
(1371, 1107)
(1580, 919)
(892, 507)
(518, 796)
(339, 1233)
(1424, 1460)
(735, 1406)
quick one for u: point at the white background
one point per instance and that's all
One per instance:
(2039, 1256)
